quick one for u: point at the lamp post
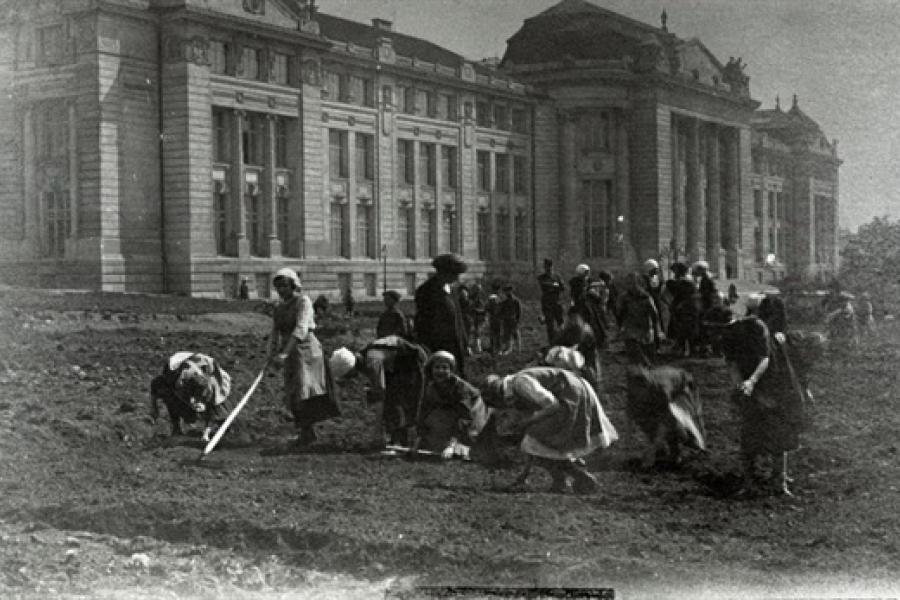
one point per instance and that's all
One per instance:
(620, 237)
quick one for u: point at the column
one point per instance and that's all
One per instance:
(492, 186)
(511, 204)
(733, 195)
(421, 250)
(714, 198)
(238, 214)
(352, 196)
(271, 187)
(693, 193)
(443, 244)
(677, 241)
(622, 184)
(570, 234)
(33, 229)
(73, 172)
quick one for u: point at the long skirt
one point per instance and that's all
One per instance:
(308, 391)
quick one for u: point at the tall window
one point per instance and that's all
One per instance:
(483, 230)
(52, 131)
(337, 153)
(448, 166)
(255, 221)
(51, 45)
(520, 233)
(429, 101)
(365, 231)
(597, 218)
(409, 100)
(221, 135)
(771, 205)
(594, 132)
(280, 64)
(218, 57)
(59, 222)
(501, 116)
(520, 176)
(451, 231)
(333, 84)
(281, 142)
(253, 138)
(405, 162)
(758, 245)
(365, 157)
(483, 113)
(782, 244)
(772, 248)
(757, 204)
(484, 170)
(427, 164)
(220, 218)
(449, 110)
(502, 167)
(502, 235)
(283, 223)
(429, 231)
(362, 91)
(339, 231)
(405, 233)
(251, 63)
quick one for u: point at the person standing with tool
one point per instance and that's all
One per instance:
(294, 347)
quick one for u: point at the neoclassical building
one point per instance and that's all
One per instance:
(181, 145)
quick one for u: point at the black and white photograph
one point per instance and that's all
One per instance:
(468, 299)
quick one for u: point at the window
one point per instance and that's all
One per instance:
(362, 91)
(519, 120)
(251, 67)
(484, 170)
(220, 218)
(597, 218)
(427, 164)
(449, 107)
(758, 245)
(483, 231)
(757, 204)
(501, 162)
(405, 162)
(52, 131)
(405, 231)
(281, 142)
(59, 222)
(782, 206)
(431, 105)
(335, 86)
(771, 205)
(483, 113)
(451, 233)
(218, 57)
(429, 231)
(501, 116)
(337, 153)
(253, 138)
(283, 222)
(52, 43)
(365, 157)
(594, 133)
(448, 166)
(409, 100)
(520, 226)
(339, 233)
(255, 222)
(409, 280)
(370, 282)
(280, 68)
(221, 135)
(520, 179)
(503, 235)
(772, 247)
(365, 231)
(782, 244)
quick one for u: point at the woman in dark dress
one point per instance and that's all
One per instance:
(767, 395)
(439, 321)
(684, 299)
(294, 346)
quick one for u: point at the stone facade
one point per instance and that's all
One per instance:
(179, 145)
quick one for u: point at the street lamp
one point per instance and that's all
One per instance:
(384, 267)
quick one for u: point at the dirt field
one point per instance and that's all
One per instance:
(98, 502)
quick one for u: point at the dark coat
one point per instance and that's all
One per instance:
(439, 323)
(391, 322)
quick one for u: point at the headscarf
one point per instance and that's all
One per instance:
(289, 274)
(582, 269)
(342, 361)
(440, 356)
(564, 357)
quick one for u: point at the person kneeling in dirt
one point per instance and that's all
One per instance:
(664, 403)
(192, 386)
(451, 414)
(395, 368)
(561, 420)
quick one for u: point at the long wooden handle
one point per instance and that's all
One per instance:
(224, 427)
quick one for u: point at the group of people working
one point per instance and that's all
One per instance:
(417, 382)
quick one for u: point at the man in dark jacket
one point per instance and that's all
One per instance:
(552, 288)
(392, 321)
(439, 322)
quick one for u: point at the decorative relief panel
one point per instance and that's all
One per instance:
(177, 48)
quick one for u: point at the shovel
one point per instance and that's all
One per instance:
(224, 427)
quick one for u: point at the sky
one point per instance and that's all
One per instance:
(840, 57)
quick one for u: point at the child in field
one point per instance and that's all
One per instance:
(495, 326)
(392, 321)
(349, 302)
(510, 316)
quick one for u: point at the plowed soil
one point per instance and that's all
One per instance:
(98, 501)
